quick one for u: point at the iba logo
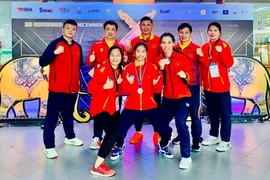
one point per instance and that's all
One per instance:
(45, 10)
(24, 9)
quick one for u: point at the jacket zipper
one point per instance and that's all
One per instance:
(171, 81)
(55, 77)
(105, 102)
(209, 81)
(71, 73)
(221, 80)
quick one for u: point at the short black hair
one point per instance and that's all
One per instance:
(146, 18)
(111, 22)
(185, 25)
(70, 21)
(141, 44)
(165, 35)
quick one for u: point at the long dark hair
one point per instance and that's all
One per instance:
(120, 69)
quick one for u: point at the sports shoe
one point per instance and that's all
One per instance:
(211, 140)
(116, 153)
(102, 170)
(195, 146)
(95, 144)
(165, 151)
(176, 140)
(223, 146)
(50, 153)
(156, 138)
(185, 163)
(136, 138)
(73, 142)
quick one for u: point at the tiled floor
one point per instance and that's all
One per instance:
(21, 157)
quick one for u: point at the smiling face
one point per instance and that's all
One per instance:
(213, 33)
(110, 31)
(184, 34)
(167, 44)
(146, 27)
(115, 57)
(140, 53)
(69, 30)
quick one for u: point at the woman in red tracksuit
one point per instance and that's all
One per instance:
(178, 74)
(105, 88)
(141, 80)
(216, 59)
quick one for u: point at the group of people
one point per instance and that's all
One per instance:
(161, 80)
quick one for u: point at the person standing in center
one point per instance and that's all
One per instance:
(153, 45)
(140, 80)
(98, 56)
(176, 95)
(187, 47)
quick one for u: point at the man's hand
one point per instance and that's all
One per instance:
(59, 50)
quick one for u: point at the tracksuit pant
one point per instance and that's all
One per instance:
(155, 117)
(110, 125)
(179, 109)
(59, 103)
(219, 108)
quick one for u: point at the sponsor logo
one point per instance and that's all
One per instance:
(45, 10)
(203, 12)
(93, 10)
(226, 12)
(64, 10)
(108, 10)
(24, 9)
(164, 11)
(79, 10)
(214, 12)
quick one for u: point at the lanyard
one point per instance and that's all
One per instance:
(140, 78)
(210, 49)
(115, 78)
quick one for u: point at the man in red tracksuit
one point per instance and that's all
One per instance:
(189, 49)
(152, 42)
(64, 56)
(98, 56)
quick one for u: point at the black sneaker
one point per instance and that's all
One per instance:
(176, 140)
(195, 146)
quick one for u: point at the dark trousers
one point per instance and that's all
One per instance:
(219, 108)
(98, 128)
(179, 109)
(109, 124)
(155, 117)
(138, 124)
(196, 124)
(59, 102)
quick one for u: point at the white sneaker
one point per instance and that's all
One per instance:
(223, 146)
(211, 140)
(50, 153)
(185, 163)
(73, 142)
(95, 143)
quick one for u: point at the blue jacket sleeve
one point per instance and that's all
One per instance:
(48, 55)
